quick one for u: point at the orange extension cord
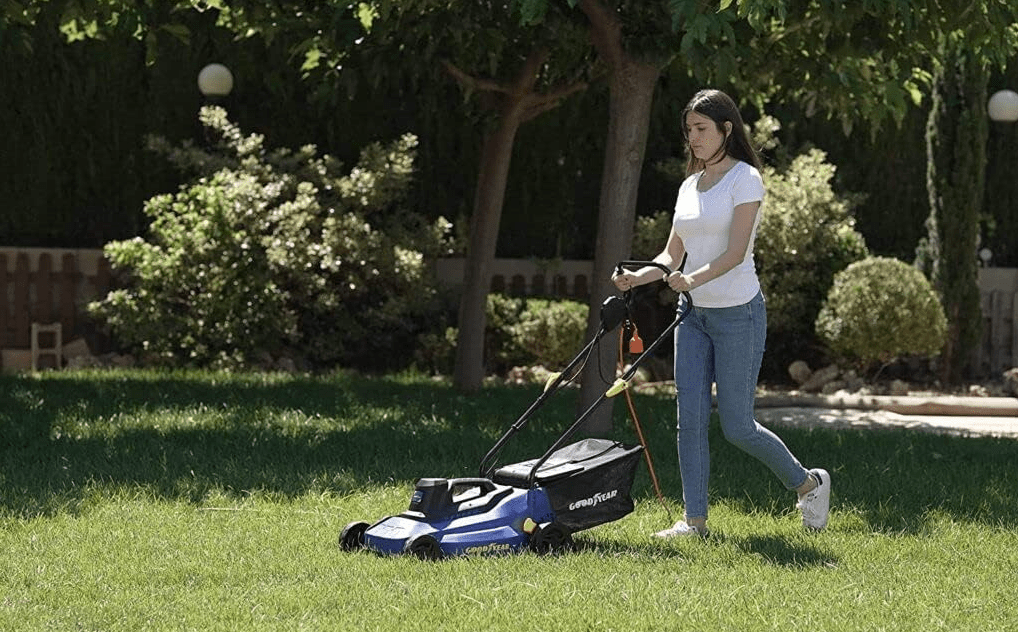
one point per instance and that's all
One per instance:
(636, 421)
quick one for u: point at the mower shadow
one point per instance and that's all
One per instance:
(787, 552)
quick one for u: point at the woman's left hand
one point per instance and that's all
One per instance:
(680, 282)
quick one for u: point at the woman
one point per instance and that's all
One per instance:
(722, 339)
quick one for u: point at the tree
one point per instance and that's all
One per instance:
(887, 51)
(509, 73)
(519, 102)
(636, 41)
(956, 133)
(856, 62)
(320, 39)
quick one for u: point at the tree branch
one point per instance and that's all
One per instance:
(538, 104)
(473, 83)
(605, 31)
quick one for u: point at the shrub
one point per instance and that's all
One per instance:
(806, 236)
(280, 251)
(500, 351)
(520, 332)
(880, 309)
(650, 234)
(550, 332)
(435, 351)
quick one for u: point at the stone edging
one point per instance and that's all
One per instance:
(904, 405)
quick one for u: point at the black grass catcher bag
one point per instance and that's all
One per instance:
(587, 482)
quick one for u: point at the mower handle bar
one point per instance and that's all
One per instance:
(622, 264)
(487, 463)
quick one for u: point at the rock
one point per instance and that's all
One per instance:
(833, 387)
(643, 375)
(978, 390)
(264, 360)
(76, 349)
(816, 381)
(125, 361)
(1011, 381)
(899, 388)
(529, 375)
(83, 362)
(520, 375)
(853, 383)
(800, 372)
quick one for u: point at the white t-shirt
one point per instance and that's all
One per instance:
(703, 220)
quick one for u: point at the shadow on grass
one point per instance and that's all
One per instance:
(785, 552)
(788, 552)
(894, 480)
(182, 436)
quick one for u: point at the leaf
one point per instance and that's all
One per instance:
(312, 59)
(180, 32)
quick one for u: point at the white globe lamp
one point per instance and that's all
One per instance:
(215, 81)
(1003, 106)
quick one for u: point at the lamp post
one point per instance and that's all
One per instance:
(1002, 108)
(215, 82)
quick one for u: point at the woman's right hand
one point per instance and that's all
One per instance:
(624, 281)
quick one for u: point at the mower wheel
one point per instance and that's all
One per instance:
(550, 537)
(425, 547)
(352, 536)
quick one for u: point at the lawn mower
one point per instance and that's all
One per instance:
(535, 504)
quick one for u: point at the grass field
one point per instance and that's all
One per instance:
(194, 501)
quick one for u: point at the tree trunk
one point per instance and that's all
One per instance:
(631, 91)
(469, 370)
(956, 135)
(519, 103)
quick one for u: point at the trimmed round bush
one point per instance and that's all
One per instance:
(880, 309)
(532, 331)
(551, 331)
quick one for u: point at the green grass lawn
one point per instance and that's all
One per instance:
(193, 501)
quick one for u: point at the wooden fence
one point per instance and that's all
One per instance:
(54, 286)
(998, 288)
(47, 287)
(566, 278)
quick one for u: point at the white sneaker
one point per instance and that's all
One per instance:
(816, 504)
(680, 530)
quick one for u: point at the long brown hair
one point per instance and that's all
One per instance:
(720, 108)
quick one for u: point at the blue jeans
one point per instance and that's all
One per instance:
(723, 345)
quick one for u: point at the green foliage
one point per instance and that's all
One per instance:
(880, 309)
(550, 331)
(806, 235)
(520, 332)
(502, 312)
(435, 351)
(956, 171)
(650, 234)
(276, 251)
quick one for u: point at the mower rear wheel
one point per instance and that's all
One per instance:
(352, 536)
(425, 547)
(550, 537)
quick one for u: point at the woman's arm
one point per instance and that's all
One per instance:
(743, 219)
(673, 252)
